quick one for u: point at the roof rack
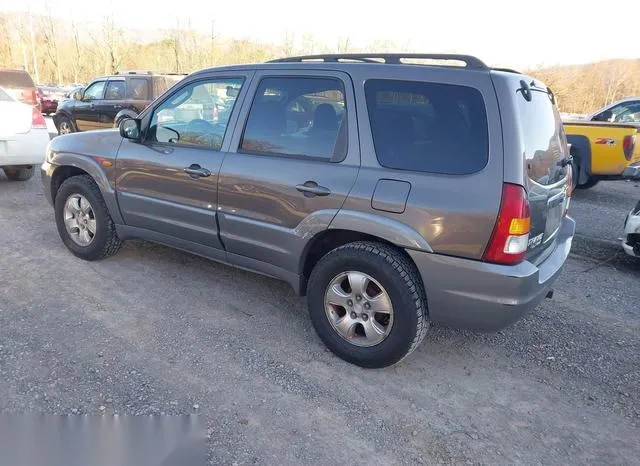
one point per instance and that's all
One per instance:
(134, 72)
(506, 70)
(389, 58)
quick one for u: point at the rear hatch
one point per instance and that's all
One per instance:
(19, 85)
(15, 117)
(547, 171)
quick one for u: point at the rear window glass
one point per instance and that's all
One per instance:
(15, 78)
(543, 137)
(4, 97)
(428, 127)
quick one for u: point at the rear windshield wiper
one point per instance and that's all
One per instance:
(528, 88)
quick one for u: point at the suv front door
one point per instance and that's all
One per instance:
(284, 179)
(84, 112)
(167, 184)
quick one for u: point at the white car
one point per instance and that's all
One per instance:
(23, 138)
(631, 240)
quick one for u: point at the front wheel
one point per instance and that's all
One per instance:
(19, 173)
(367, 304)
(83, 220)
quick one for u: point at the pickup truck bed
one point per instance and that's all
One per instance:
(602, 150)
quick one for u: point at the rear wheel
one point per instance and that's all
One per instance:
(590, 183)
(65, 126)
(367, 304)
(83, 220)
(19, 173)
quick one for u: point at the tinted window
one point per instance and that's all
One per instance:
(138, 89)
(297, 116)
(15, 78)
(196, 115)
(428, 127)
(94, 91)
(115, 90)
(543, 135)
(162, 83)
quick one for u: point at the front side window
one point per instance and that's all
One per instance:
(197, 114)
(428, 127)
(303, 117)
(115, 90)
(94, 91)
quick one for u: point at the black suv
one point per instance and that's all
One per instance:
(108, 99)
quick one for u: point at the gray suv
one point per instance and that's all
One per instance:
(392, 190)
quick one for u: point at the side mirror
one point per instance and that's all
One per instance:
(130, 129)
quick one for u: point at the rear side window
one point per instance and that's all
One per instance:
(15, 78)
(115, 90)
(300, 117)
(428, 127)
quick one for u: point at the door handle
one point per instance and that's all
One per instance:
(91, 105)
(196, 171)
(117, 107)
(311, 188)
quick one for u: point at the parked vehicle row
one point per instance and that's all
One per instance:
(105, 101)
(428, 204)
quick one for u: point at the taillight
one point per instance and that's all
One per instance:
(508, 244)
(569, 192)
(37, 120)
(628, 145)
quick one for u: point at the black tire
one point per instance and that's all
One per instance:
(106, 241)
(398, 276)
(65, 120)
(19, 173)
(590, 183)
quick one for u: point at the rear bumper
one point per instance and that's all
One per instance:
(24, 149)
(470, 294)
(632, 171)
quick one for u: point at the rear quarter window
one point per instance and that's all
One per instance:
(428, 127)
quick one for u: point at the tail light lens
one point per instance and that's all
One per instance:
(37, 120)
(628, 145)
(510, 237)
(570, 176)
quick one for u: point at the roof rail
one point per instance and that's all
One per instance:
(390, 58)
(506, 70)
(134, 72)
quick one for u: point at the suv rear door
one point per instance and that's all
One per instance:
(114, 98)
(535, 138)
(284, 168)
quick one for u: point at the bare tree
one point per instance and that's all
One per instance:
(51, 43)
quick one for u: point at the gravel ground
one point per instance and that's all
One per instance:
(154, 330)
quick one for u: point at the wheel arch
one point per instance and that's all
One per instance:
(581, 150)
(124, 113)
(352, 226)
(71, 165)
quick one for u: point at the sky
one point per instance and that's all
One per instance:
(519, 34)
